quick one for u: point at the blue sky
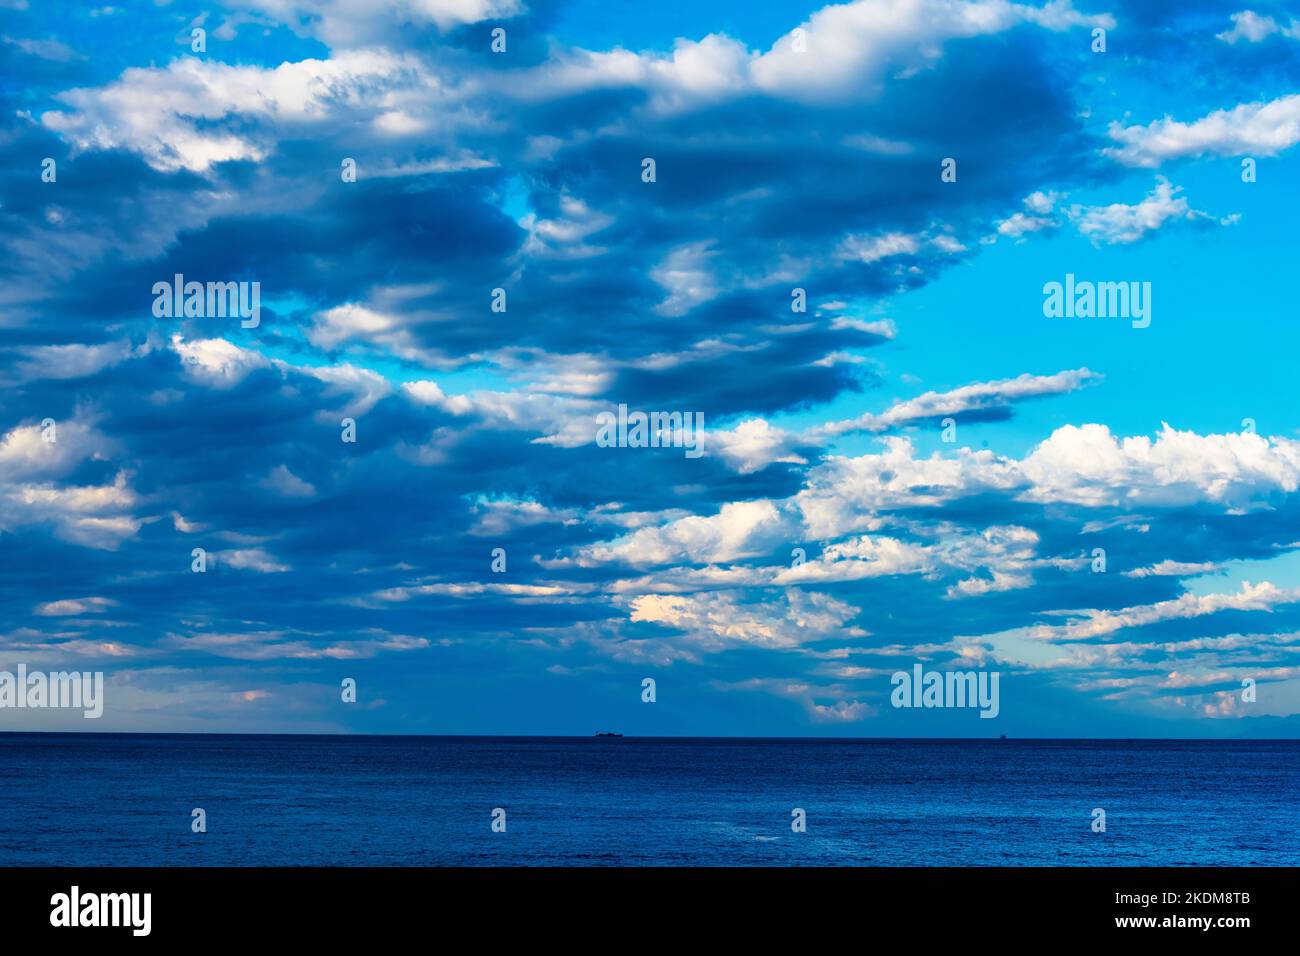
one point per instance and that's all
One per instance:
(796, 146)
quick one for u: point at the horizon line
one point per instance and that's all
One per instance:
(998, 739)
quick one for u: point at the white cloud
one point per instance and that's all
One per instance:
(869, 249)
(95, 516)
(868, 556)
(685, 273)
(362, 386)
(1078, 465)
(342, 23)
(1251, 129)
(502, 516)
(753, 445)
(967, 398)
(1178, 569)
(285, 645)
(1007, 553)
(565, 236)
(714, 622)
(70, 361)
(26, 454)
(71, 607)
(842, 495)
(284, 482)
(1251, 27)
(1086, 465)
(1118, 224)
(427, 392)
(49, 49)
(1039, 206)
(458, 589)
(840, 712)
(851, 47)
(249, 559)
(739, 529)
(217, 362)
(1251, 597)
(168, 115)
(342, 323)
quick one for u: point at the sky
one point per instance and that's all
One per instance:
(842, 262)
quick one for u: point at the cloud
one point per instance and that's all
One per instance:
(1097, 623)
(282, 645)
(1087, 465)
(870, 249)
(285, 483)
(1252, 27)
(217, 363)
(35, 459)
(249, 559)
(686, 276)
(734, 532)
(1039, 206)
(342, 23)
(1250, 129)
(172, 116)
(977, 397)
(753, 445)
(52, 449)
(500, 517)
(49, 49)
(1169, 568)
(851, 47)
(713, 622)
(70, 607)
(1119, 224)
(70, 361)
(95, 516)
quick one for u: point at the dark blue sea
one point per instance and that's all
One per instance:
(110, 799)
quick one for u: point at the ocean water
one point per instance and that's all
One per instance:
(110, 799)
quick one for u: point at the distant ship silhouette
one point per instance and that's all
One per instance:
(606, 733)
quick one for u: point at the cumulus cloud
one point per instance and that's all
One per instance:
(171, 115)
(96, 516)
(849, 47)
(713, 622)
(1253, 27)
(342, 23)
(736, 531)
(217, 362)
(1250, 129)
(753, 445)
(1119, 224)
(1087, 465)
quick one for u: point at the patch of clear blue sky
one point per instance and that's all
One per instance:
(1219, 340)
(601, 25)
(1282, 571)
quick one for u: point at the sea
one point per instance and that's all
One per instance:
(130, 800)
